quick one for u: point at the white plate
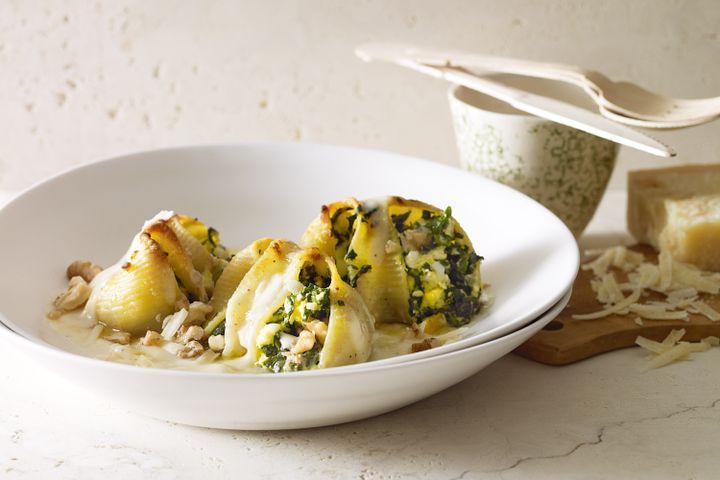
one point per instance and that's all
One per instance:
(469, 340)
(269, 402)
(249, 191)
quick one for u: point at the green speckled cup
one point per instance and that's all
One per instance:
(563, 168)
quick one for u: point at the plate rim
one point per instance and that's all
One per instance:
(11, 336)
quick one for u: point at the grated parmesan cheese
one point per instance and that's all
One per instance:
(650, 345)
(680, 283)
(698, 346)
(665, 267)
(671, 349)
(611, 290)
(173, 323)
(673, 337)
(690, 276)
(674, 353)
(657, 312)
(610, 309)
(705, 309)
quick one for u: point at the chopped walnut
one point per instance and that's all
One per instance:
(77, 293)
(305, 342)
(415, 239)
(391, 246)
(216, 343)
(193, 332)
(319, 328)
(182, 303)
(197, 313)
(190, 350)
(152, 338)
(123, 338)
(83, 268)
(180, 333)
(426, 344)
(414, 330)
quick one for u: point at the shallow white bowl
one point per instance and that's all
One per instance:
(272, 402)
(469, 340)
(248, 191)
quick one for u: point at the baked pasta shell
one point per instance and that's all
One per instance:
(231, 277)
(137, 296)
(179, 259)
(350, 327)
(261, 291)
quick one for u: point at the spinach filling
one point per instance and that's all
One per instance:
(354, 273)
(219, 330)
(342, 226)
(276, 360)
(442, 269)
(312, 303)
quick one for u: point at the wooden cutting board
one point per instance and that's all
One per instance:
(565, 340)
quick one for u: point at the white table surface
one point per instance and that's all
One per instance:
(601, 418)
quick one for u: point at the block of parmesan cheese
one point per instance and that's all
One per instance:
(678, 210)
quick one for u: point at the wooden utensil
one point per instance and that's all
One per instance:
(538, 105)
(623, 102)
(565, 340)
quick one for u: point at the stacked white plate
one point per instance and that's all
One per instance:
(260, 190)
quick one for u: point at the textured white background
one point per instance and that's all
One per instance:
(82, 80)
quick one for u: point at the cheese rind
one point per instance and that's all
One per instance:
(677, 210)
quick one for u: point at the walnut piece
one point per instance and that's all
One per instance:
(77, 293)
(152, 338)
(83, 268)
(216, 343)
(181, 303)
(193, 332)
(197, 312)
(319, 328)
(426, 344)
(190, 350)
(391, 246)
(415, 239)
(123, 338)
(305, 342)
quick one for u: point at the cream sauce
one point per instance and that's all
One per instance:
(76, 333)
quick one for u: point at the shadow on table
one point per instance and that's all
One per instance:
(514, 408)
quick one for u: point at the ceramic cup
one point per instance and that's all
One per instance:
(563, 168)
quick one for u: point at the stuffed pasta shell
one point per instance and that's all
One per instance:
(228, 282)
(369, 280)
(410, 261)
(292, 311)
(171, 263)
